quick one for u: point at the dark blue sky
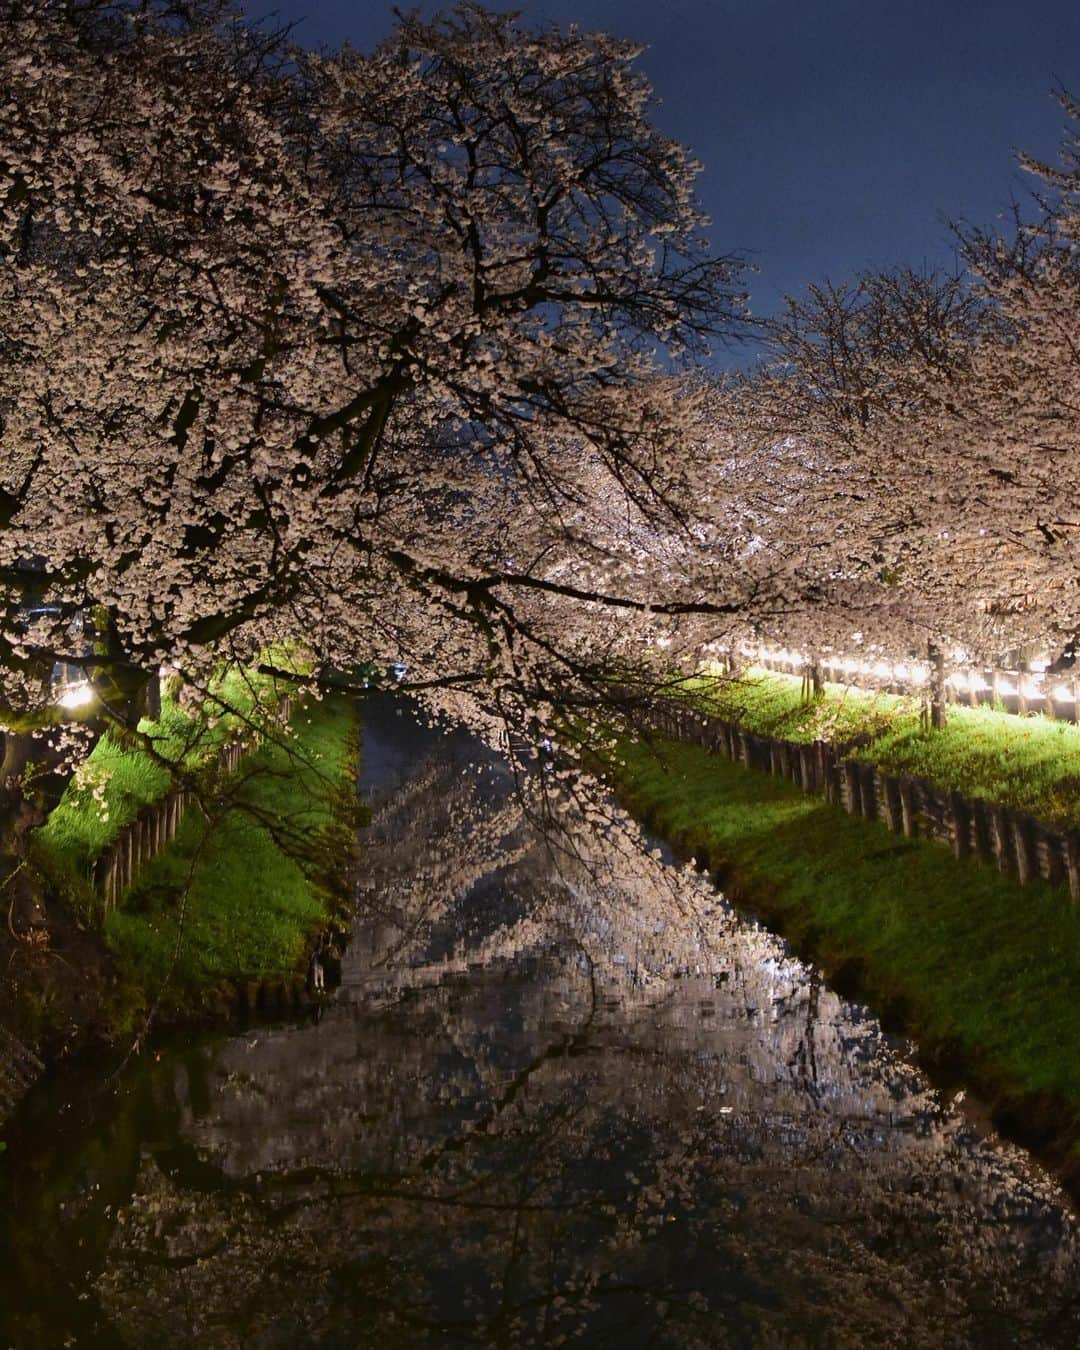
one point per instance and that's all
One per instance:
(835, 134)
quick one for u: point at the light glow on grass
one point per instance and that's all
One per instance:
(1029, 763)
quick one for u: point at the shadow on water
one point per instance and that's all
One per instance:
(563, 1094)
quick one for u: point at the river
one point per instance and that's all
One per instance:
(563, 1095)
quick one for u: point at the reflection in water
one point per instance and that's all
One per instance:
(563, 1095)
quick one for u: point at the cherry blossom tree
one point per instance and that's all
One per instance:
(910, 454)
(323, 348)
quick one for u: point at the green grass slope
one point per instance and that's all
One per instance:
(980, 967)
(123, 775)
(239, 892)
(1029, 763)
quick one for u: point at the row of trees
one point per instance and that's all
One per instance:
(911, 449)
(394, 353)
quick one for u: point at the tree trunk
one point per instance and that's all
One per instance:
(936, 690)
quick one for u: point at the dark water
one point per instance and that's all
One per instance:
(563, 1096)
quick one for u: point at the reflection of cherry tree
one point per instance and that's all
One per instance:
(428, 844)
(622, 1115)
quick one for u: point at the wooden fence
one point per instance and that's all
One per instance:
(1016, 843)
(1055, 694)
(114, 870)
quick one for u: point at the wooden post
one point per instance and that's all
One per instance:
(961, 825)
(1071, 842)
(1027, 862)
(1001, 837)
(852, 794)
(712, 734)
(868, 784)
(806, 767)
(908, 813)
(894, 815)
(830, 772)
(1050, 846)
(937, 686)
(983, 830)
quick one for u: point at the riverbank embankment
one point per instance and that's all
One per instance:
(222, 919)
(982, 972)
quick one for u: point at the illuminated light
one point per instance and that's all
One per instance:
(663, 642)
(969, 680)
(1033, 685)
(77, 695)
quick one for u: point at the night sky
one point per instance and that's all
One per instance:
(836, 134)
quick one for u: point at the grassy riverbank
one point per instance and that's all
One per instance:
(126, 773)
(983, 973)
(1028, 763)
(241, 891)
(234, 901)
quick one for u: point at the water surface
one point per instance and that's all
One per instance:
(563, 1095)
